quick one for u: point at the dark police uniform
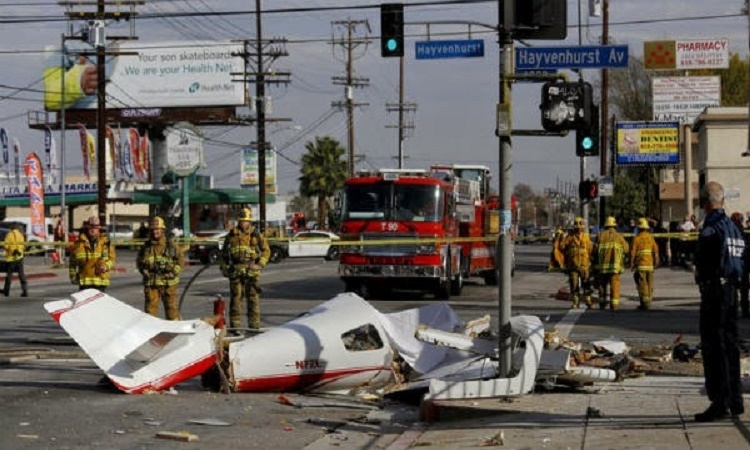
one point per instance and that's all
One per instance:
(719, 266)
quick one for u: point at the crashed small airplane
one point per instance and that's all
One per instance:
(342, 345)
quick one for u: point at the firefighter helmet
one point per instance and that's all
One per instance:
(610, 222)
(92, 222)
(643, 223)
(157, 223)
(245, 215)
(578, 223)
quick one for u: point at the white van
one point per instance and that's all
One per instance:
(25, 223)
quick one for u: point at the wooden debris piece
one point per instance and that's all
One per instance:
(182, 436)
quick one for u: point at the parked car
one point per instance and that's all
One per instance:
(120, 232)
(208, 247)
(313, 243)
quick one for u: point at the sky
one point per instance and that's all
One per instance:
(455, 98)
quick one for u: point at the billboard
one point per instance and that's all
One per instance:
(249, 178)
(686, 54)
(682, 99)
(153, 75)
(648, 143)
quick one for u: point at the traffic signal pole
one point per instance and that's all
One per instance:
(505, 245)
(584, 204)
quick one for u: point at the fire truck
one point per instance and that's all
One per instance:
(423, 230)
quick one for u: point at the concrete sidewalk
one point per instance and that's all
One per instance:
(641, 413)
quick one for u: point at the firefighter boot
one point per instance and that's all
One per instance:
(614, 304)
(575, 301)
(588, 301)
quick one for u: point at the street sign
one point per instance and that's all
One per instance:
(606, 186)
(534, 73)
(581, 57)
(466, 48)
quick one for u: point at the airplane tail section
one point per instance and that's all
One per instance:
(137, 351)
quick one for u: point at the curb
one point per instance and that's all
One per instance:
(32, 276)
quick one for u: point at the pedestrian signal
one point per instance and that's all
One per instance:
(588, 190)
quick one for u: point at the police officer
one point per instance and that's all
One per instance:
(610, 250)
(718, 269)
(92, 258)
(244, 253)
(14, 253)
(644, 256)
(160, 262)
(745, 280)
(576, 248)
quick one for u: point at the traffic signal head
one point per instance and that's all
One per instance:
(587, 138)
(566, 105)
(537, 19)
(391, 29)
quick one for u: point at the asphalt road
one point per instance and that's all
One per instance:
(55, 401)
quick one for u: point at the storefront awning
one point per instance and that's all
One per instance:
(148, 197)
(213, 196)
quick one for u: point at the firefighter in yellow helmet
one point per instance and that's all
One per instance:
(244, 253)
(92, 258)
(160, 262)
(644, 256)
(576, 248)
(610, 250)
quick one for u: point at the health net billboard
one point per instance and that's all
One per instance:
(163, 75)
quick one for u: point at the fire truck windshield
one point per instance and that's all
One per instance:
(419, 203)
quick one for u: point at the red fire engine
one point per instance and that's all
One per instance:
(417, 230)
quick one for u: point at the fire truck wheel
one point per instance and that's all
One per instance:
(491, 278)
(443, 288)
(457, 283)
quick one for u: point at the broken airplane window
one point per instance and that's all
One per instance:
(363, 338)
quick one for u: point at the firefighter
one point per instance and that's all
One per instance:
(92, 258)
(160, 262)
(576, 248)
(14, 253)
(556, 257)
(244, 253)
(610, 250)
(644, 256)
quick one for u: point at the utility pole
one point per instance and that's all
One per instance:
(262, 53)
(402, 109)
(98, 39)
(604, 126)
(350, 43)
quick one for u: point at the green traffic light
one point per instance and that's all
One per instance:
(392, 45)
(587, 143)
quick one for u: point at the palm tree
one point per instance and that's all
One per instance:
(323, 172)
